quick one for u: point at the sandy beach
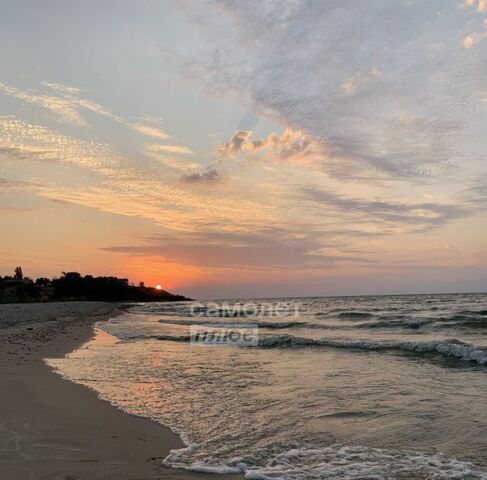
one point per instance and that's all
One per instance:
(53, 429)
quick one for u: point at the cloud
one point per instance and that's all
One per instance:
(344, 159)
(409, 217)
(63, 109)
(470, 40)
(236, 143)
(125, 189)
(210, 176)
(150, 131)
(160, 153)
(28, 141)
(290, 144)
(66, 103)
(476, 195)
(218, 250)
(60, 87)
(151, 190)
(480, 5)
(178, 149)
(308, 67)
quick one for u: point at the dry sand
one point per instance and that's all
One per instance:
(52, 429)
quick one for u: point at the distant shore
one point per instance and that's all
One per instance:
(52, 428)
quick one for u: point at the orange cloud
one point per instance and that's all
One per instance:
(178, 149)
(292, 143)
(150, 131)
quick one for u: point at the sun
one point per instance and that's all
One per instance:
(158, 287)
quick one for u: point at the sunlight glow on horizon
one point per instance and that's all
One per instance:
(341, 151)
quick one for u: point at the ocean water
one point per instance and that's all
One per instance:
(386, 387)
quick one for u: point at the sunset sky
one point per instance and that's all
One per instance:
(246, 148)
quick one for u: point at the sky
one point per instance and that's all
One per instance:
(246, 148)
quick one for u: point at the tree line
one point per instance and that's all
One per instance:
(74, 286)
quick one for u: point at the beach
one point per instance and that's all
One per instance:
(351, 388)
(51, 428)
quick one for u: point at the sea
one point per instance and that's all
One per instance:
(362, 387)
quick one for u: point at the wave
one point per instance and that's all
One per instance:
(385, 322)
(408, 323)
(341, 462)
(401, 321)
(474, 312)
(259, 324)
(411, 323)
(462, 321)
(449, 348)
(345, 313)
(355, 315)
(459, 318)
(236, 311)
(472, 323)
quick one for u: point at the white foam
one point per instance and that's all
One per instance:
(350, 463)
(450, 348)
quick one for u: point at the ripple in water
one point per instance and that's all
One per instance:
(347, 390)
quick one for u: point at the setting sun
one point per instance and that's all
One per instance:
(293, 227)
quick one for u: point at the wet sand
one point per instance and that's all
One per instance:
(53, 429)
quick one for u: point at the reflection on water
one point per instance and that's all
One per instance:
(331, 408)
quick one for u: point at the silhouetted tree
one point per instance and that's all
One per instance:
(18, 273)
(72, 286)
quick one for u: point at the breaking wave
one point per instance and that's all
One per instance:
(341, 462)
(449, 348)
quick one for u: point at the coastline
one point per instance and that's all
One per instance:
(53, 428)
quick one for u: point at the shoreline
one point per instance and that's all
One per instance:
(53, 428)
